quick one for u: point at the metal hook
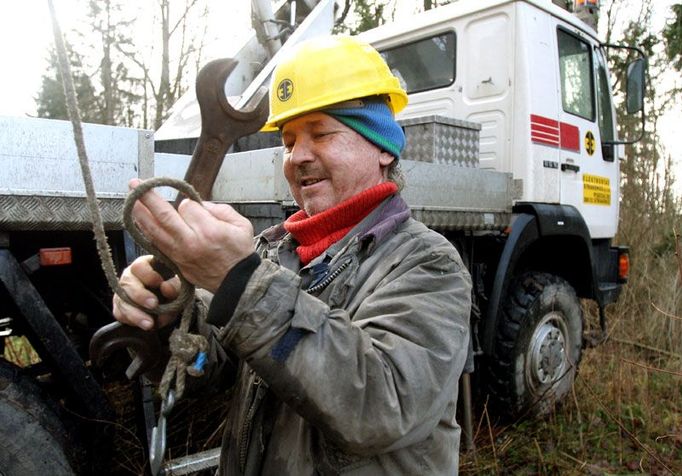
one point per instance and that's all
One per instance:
(157, 449)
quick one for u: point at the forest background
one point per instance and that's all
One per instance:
(131, 63)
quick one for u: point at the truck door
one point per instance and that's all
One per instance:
(589, 180)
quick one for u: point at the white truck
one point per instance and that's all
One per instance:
(513, 154)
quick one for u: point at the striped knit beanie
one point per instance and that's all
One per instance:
(372, 119)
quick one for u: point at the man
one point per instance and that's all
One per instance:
(347, 326)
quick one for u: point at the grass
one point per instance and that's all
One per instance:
(621, 419)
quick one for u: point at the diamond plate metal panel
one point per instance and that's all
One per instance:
(441, 140)
(45, 213)
(448, 220)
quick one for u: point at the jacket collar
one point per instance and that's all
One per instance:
(380, 222)
(392, 212)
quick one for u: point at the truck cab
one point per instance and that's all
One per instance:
(535, 78)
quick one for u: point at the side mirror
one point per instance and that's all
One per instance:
(636, 78)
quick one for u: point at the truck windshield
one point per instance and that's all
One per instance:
(424, 64)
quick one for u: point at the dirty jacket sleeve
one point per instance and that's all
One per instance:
(375, 374)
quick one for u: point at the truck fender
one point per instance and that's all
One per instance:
(532, 222)
(524, 231)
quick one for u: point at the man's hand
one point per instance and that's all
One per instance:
(137, 280)
(204, 240)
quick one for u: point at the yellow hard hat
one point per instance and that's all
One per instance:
(324, 71)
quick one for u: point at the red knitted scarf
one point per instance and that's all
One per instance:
(317, 233)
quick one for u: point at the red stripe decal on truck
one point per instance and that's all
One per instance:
(534, 118)
(570, 137)
(546, 131)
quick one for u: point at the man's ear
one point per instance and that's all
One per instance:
(385, 159)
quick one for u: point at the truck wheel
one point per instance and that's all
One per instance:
(537, 346)
(32, 438)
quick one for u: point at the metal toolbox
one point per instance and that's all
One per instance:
(441, 140)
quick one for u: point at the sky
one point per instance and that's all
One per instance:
(26, 36)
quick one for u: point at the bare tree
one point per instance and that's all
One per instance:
(169, 89)
(672, 36)
(109, 20)
(181, 36)
(367, 14)
(649, 208)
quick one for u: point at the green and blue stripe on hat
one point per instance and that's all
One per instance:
(372, 119)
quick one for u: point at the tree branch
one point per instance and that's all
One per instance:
(344, 14)
(656, 369)
(183, 17)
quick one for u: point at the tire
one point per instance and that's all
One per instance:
(538, 346)
(33, 440)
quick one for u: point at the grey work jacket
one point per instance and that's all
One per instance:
(349, 365)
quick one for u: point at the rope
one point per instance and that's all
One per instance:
(183, 346)
(186, 288)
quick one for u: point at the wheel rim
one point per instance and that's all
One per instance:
(549, 359)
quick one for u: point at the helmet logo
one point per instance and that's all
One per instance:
(285, 89)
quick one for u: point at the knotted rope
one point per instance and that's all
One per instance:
(183, 346)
